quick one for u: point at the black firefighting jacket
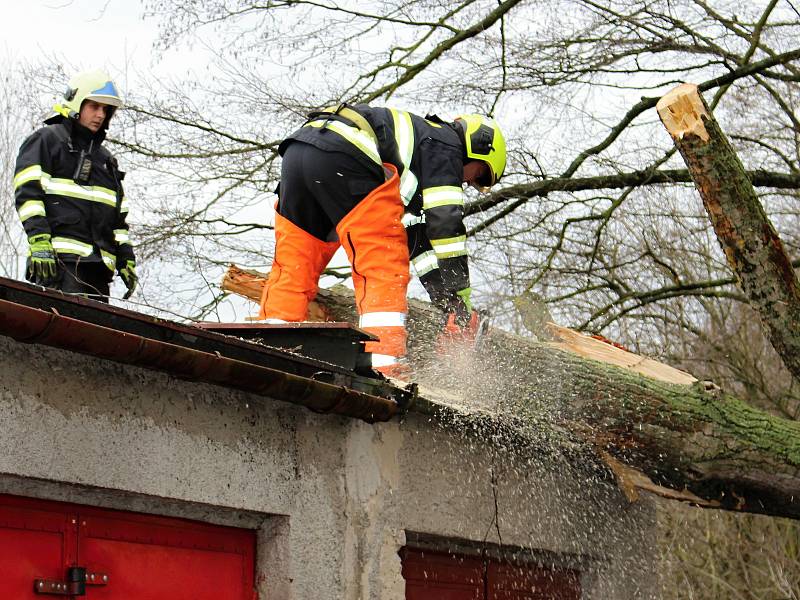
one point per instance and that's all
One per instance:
(83, 212)
(429, 156)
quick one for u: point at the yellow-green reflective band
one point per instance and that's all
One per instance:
(353, 135)
(425, 263)
(121, 236)
(27, 174)
(408, 186)
(31, 208)
(108, 259)
(67, 187)
(123, 206)
(404, 137)
(443, 195)
(69, 246)
(410, 219)
(450, 247)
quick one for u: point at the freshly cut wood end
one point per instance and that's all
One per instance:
(681, 111)
(244, 282)
(588, 347)
(250, 284)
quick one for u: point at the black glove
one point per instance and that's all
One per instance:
(127, 273)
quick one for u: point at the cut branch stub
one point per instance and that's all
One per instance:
(682, 111)
(752, 247)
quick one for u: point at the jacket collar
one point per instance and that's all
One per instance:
(79, 134)
(83, 135)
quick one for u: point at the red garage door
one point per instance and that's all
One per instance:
(125, 555)
(526, 582)
(443, 576)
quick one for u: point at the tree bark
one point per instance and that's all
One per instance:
(705, 446)
(684, 437)
(752, 247)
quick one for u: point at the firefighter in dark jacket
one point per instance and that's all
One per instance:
(69, 195)
(386, 185)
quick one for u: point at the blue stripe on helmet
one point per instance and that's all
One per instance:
(109, 89)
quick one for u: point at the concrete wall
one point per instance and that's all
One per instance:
(333, 499)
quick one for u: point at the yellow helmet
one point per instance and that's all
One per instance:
(90, 85)
(485, 142)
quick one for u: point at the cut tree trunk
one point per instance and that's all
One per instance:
(752, 247)
(642, 418)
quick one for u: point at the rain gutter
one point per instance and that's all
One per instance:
(33, 325)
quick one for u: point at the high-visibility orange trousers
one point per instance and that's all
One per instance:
(374, 239)
(293, 281)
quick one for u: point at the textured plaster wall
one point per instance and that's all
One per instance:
(331, 498)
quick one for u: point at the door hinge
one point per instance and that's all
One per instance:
(75, 584)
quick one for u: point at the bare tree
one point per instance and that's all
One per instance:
(582, 220)
(19, 111)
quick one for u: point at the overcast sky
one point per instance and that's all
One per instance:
(87, 34)
(87, 31)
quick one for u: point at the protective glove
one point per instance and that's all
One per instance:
(127, 273)
(41, 267)
(461, 324)
(459, 306)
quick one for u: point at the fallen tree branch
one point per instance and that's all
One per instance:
(688, 440)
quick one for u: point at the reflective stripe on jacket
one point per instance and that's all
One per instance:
(86, 219)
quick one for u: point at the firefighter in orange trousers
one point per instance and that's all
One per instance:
(386, 185)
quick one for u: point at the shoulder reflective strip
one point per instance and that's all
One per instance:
(27, 174)
(354, 116)
(382, 319)
(122, 236)
(425, 263)
(444, 195)
(410, 219)
(404, 136)
(353, 135)
(450, 247)
(108, 259)
(384, 360)
(408, 186)
(31, 208)
(67, 187)
(69, 246)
